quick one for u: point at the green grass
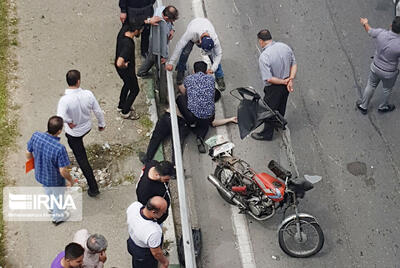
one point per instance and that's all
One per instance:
(7, 126)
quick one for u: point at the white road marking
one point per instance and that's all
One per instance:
(239, 221)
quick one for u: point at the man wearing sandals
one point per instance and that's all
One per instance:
(384, 66)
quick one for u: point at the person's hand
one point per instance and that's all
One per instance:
(363, 21)
(69, 183)
(165, 263)
(209, 71)
(101, 128)
(163, 60)
(171, 34)
(103, 257)
(155, 20)
(289, 85)
(169, 67)
(71, 125)
(122, 17)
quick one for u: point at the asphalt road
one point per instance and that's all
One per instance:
(358, 156)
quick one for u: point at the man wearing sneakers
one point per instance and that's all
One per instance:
(125, 66)
(75, 108)
(51, 164)
(201, 32)
(384, 66)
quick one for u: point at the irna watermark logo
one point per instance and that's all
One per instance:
(42, 203)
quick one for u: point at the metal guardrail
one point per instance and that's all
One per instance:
(190, 259)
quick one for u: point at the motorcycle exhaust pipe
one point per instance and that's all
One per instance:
(227, 193)
(232, 196)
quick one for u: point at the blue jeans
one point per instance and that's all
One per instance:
(57, 214)
(181, 66)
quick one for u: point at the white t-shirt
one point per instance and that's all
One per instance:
(145, 233)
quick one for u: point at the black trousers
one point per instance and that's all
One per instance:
(202, 125)
(276, 98)
(76, 144)
(144, 40)
(162, 130)
(129, 90)
(141, 257)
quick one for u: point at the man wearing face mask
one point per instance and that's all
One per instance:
(145, 234)
(125, 66)
(154, 182)
(201, 32)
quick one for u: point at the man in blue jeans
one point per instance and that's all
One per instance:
(201, 32)
(384, 66)
(51, 164)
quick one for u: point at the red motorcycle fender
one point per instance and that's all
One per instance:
(293, 216)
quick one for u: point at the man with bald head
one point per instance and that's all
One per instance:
(145, 234)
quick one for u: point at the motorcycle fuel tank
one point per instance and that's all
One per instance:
(272, 187)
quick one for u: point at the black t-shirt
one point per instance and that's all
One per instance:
(125, 48)
(147, 188)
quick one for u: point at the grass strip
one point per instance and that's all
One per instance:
(7, 126)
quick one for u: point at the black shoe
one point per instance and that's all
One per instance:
(259, 137)
(93, 194)
(179, 77)
(201, 146)
(220, 83)
(387, 108)
(362, 110)
(66, 217)
(145, 74)
(142, 157)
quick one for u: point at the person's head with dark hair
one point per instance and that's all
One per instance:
(396, 25)
(74, 255)
(136, 25)
(164, 171)
(170, 14)
(200, 66)
(264, 37)
(73, 78)
(156, 207)
(55, 125)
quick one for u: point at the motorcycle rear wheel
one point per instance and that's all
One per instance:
(303, 245)
(219, 174)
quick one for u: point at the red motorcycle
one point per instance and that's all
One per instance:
(260, 195)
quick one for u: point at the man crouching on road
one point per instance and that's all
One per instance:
(145, 234)
(278, 69)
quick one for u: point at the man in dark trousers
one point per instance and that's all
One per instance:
(197, 101)
(145, 234)
(75, 108)
(278, 69)
(134, 10)
(154, 182)
(125, 66)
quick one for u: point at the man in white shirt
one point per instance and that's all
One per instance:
(145, 234)
(75, 108)
(95, 246)
(201, 32)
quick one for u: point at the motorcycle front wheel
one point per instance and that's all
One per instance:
(304, 244)
(223, 174)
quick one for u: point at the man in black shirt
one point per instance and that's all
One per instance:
(125, 65)
(154, 182)
(134, 10)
